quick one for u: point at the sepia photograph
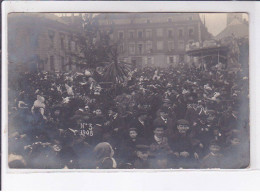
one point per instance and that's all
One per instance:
(128, 90)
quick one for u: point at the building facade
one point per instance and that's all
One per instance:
(154, 38)
(49, 42)
(41, 42)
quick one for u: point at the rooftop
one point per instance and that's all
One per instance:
(42, 19)
(238, 30)
(177, 16)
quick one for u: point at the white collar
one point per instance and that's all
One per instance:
(213, 154)
(158, 140)
(164, 119)
(142, 122)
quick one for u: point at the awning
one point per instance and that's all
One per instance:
(220, 51)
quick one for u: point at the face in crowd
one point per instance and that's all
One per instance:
(57, 112)
(87, 108)
(143, 117)
(163, 114)
(98, 112)
(211, 118)
(110, 112)
(183, 128)
(159, 132)
(214, 148)
(235, 141)
(132, 134)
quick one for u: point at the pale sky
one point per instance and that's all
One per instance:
(216, 22)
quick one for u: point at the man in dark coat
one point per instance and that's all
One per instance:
(133, 150)
(236, 154)
(142, 124)
(160, 150)
(214, 159)
(164, 120)
(228, 121)
(184, 146)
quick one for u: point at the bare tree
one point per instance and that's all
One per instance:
(97, 48)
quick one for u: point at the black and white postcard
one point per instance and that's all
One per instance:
(123, 94)
(128, 90)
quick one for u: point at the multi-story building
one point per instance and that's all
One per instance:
(154, 38)
(41, 41)
(50, 42)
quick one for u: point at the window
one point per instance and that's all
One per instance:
(149, 33)
(170, 45)
(109, 22)
(181, 58)
(140, 34)
(62, 63)
(36, 41)
(149, 46)
(180, 33)
(171, 59)
(159, 45)
(181, 45)
(111, 36)
(76, 46)
(52, 67)
(120, 35)
(133, 61)
(41, 65)
(121, 48)
(191, 32)
(132, 48)
(69, 43)
(73, 59)
(140, 48)
(131, 34)
(159, 32)
(70, 64)
(170, 34)
(62, 41)
(51, 36)
(73, 45)
(149, 60)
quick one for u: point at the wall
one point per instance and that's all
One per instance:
(179, 21)
(29, 42)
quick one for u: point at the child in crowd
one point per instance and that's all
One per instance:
(159, 149)
(214, 159)
(184, 146)
(133, 150)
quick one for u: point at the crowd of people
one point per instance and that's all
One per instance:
(183, 117)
